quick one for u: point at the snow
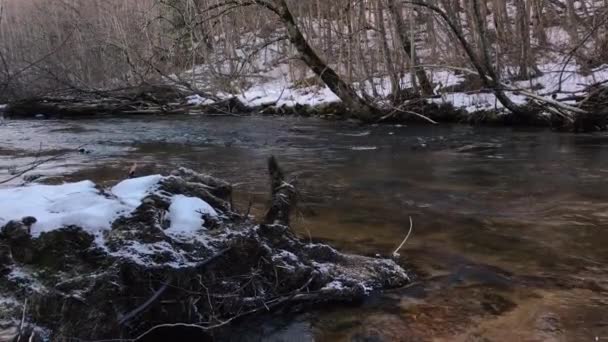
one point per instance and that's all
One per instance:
(56, 206)
(335, 285)
(132, 191)
(21, 275)
(185, 214)
(197, 100)
(80, 204)
(573, 82)
(278, 90)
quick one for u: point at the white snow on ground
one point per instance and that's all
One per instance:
(572, 83)
(277, 89)
(185, 214)
(132, 191)
(82, 204)
(197, 100)
(55, 206)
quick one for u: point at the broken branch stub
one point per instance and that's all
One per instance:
(283, 195)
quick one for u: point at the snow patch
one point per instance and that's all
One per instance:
(20, 276)
(197, 100)
(132, 191)
(335, 285)
(186, 214)
(79, 204)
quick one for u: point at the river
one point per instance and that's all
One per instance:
(510, 226)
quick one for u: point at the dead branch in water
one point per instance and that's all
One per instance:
(283, 195)
(396, 252)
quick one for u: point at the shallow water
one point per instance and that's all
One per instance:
(510, 238)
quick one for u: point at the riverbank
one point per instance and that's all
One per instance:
(457, 99)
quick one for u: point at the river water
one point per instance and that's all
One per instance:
(510, 226)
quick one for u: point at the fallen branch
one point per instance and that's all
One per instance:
(125, 318)
(396, 252)
(283, 195)
(265, 306)
(395, 109)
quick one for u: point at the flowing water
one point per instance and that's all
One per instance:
(510, 226)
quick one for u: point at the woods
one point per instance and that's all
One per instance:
(374, 55)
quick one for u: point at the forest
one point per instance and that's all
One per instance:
(472, 61)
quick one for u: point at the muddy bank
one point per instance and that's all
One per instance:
(183, 255)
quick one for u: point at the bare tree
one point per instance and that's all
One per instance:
(408, 48)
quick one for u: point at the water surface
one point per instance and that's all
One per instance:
(510, 238)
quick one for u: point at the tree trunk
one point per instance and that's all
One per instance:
(355, 104)
(484, 66)
(425, 84)
(390, 67)
(525, 60)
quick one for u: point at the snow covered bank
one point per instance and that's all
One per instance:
(276, 89)
(121, 249)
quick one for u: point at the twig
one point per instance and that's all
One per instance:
(22, 319)
(146, 304)
(396, 252)
(266, 306)
(395, 109)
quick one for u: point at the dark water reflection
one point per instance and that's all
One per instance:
(510, 226)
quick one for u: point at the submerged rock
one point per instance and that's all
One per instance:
(183, 254)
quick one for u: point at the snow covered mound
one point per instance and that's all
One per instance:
(94, 264)
(82, 204)
(77, 204)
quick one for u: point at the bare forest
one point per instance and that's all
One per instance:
(372, 54)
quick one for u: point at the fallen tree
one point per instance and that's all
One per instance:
(183, 256)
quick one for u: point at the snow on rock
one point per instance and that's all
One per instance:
(186, 214)
(56, 206)
(132, 191)
(82, 204)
